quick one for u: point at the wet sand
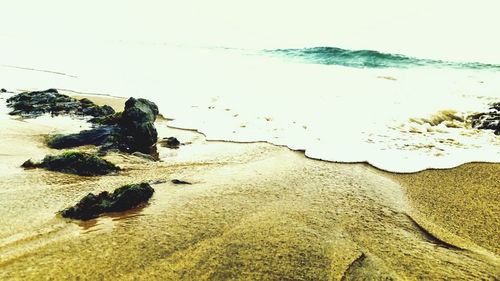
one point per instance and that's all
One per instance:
(254, 212)
(464, 200)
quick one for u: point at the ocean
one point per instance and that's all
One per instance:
(334, 104)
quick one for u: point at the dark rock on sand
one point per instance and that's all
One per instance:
(131, 131)
(122, 199)
(137, 125)
(36, 103)
(30, 164)
(3, 90)
(78, 163)
(170, 142)
(97, 136)
(488, 120)
(111, 119)
(176, 181)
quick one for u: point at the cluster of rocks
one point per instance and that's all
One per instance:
(91, 206)
(34, 104)
(131, 131)
(487, 120)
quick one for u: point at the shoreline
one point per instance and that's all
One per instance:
(254, 210)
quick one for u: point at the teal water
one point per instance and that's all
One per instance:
(371, 59)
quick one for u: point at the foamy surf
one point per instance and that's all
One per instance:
(357, 115)
(330, 111)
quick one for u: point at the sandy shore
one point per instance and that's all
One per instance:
(463, 200)
(254, 212)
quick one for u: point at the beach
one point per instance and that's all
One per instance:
(253, 211)
(262, 140)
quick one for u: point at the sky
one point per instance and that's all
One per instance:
(458, 30)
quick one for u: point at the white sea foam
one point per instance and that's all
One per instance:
(333, 113)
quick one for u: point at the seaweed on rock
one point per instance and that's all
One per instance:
(73, 162)
(96, 136)
(130, 131)
(36, 103)
(122, 199)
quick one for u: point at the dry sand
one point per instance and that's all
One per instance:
(254, 212)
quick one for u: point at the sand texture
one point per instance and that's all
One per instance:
(464, 200)
(253, 212)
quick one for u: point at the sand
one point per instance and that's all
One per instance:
(464, 200)
(253, 212)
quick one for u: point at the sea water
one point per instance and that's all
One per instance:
(335, 104)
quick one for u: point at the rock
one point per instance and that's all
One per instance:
(78, 163)
(91, 109)
(3, 90)
(122, 199)
(487, 120)
(170, 142)
(29, 164)
(98, 136)
(130, 131)
(176, 181)
(98, 111)
(111, 119)
(137, 124)
(144, 156)
(36, 103)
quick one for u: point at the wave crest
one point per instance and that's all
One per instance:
(371, 59)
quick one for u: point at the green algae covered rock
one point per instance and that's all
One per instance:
(122, 199)
(137, 125)
(73, 162)
(129, 131)
(36, 103)
(106, 134)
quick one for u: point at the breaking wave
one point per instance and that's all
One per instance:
(371, 59)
